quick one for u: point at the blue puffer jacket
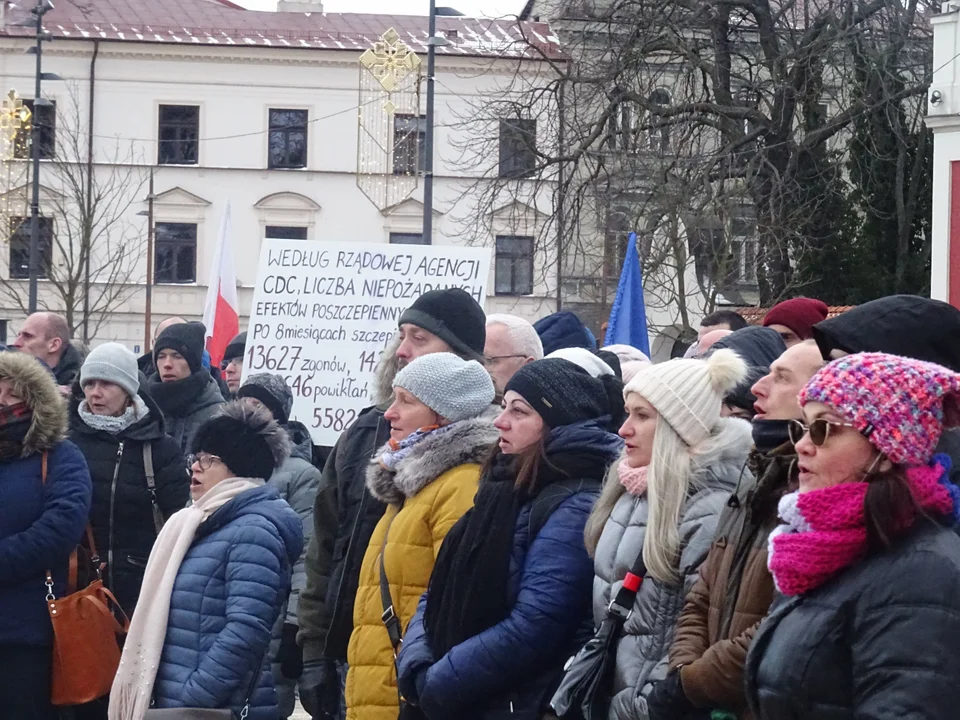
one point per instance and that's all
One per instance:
(511, 669)
(227, 595)
(40, 525)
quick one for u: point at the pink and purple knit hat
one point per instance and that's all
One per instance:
(900, 405)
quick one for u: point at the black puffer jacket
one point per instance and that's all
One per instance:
(877, 642)
(344, 516)
(122, 511)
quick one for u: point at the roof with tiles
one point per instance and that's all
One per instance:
(755, 315)
(221, 22)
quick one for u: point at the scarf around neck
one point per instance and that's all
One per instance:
(132, 689)
(15, 421)
(468, 588)
(114, 425)
(768, 435)
(634, 480)
(397, 450)
(179, 396)
(824, 531)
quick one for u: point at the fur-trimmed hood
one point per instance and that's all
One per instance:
(469, 441)
(33, 382)
(385, 373)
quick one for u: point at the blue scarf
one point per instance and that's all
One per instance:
(397, 452)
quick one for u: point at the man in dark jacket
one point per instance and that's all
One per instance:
(345, 514)
(185, 391)
(46, 336)
(905, 325)
(734, 591)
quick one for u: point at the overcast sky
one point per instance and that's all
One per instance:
(472, 8)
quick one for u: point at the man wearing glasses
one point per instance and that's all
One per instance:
(734, 592)
(511, 343)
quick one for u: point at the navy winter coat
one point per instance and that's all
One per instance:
(40, 525)
(511, 669)
(227, 595)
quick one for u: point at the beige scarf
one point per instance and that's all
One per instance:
(132, 689)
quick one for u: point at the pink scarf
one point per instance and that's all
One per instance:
(824, 531)
(633, 479)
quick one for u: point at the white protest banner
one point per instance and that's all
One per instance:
(323, 312)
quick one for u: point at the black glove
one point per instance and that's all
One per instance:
(290, 655)
(667, 701)
(320, 689)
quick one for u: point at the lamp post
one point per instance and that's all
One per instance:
(428, 135)
(42, 8)
(148, 302)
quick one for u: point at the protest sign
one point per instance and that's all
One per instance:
(323, 312)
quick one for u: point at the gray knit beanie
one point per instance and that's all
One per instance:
(271, 390)
(114, 363)
(688, 394)
(454, 388)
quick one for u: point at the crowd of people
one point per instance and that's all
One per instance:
(523, 524)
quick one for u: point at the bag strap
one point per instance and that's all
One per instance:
(621, 606)
(152, 486)
(389, 617)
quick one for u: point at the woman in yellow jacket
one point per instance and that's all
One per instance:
(441, 431)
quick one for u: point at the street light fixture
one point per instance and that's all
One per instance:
(148, 302)
(42, 8)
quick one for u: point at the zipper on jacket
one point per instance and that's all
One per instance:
(113, 500)
(346, 555)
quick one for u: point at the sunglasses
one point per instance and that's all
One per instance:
(819, 430)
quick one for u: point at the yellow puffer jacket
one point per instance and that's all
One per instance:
(431, 489)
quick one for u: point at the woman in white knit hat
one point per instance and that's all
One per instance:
(441, 431)
(138, 471)
(660, 505)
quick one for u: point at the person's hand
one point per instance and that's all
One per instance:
(667, 701)
(320, 689)
(290, 654)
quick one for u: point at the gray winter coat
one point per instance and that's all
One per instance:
(648, 633)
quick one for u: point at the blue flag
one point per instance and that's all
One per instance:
(628, 316)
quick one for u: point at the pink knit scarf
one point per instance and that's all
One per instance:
(633, 479)
(824, 531)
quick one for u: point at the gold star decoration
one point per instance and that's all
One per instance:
(390, 60)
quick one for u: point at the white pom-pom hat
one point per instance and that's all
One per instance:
(688, 394)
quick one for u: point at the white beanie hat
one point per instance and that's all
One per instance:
(584, 359)
(454, 388)
(688, 394)
(114, 363)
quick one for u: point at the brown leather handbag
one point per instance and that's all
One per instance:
(86, 653)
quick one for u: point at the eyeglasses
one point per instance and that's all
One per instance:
(497, 358)
(819, 430)
(203, 460)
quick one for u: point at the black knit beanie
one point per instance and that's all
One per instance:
(562, 393)
(454, 317)
(186, 339)
(246, 438)
(235, 348)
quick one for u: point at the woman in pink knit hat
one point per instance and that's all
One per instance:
(867, 561)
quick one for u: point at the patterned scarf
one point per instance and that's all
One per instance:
(633, 479)
(397, 450)
(114, 425)
(15, 421)
(824, 531)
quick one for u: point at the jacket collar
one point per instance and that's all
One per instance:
(469, 441)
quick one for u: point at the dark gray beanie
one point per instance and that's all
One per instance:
(272, 391)
(563, 393)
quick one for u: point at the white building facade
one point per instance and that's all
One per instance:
(255, 110)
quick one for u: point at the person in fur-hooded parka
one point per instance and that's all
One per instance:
(41, 522)
(442, 431)
(662, 502)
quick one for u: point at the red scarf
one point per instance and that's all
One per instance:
(15, 421)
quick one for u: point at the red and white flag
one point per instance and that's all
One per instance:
(221, 311)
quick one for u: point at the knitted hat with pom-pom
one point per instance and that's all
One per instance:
(688, 393)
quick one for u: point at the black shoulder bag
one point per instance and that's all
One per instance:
(584, 692)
